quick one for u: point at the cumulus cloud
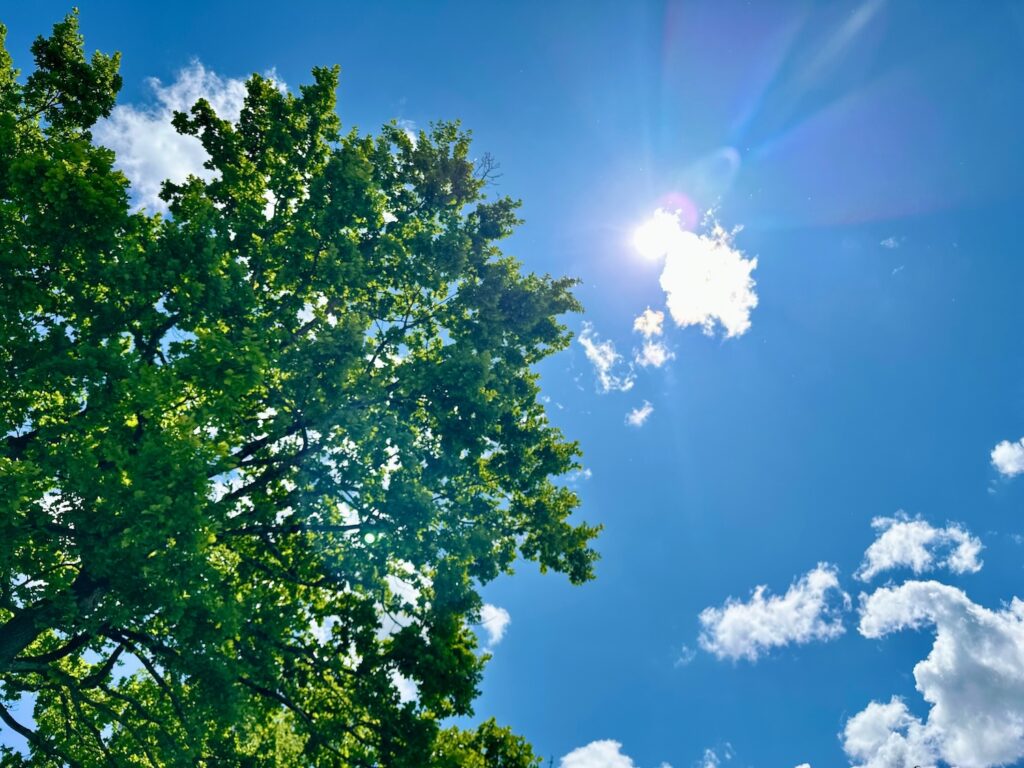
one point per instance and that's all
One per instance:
(495, 621)
(149, 149)
(913, 543)
(973, 678)
(637, 416)
(1008, 457)
(707, 281)
(887, 736)
(606, 362)
(598, 754)
(649, 323)
(810, 610)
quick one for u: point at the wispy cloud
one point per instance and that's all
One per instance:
(713, 758)
(607, 362)
(686, 656)
(638, 416)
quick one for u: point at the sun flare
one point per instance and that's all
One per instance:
(658, 235)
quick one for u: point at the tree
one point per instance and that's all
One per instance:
(260, 455)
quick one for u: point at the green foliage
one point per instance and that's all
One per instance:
(261, 454)
(488, 746)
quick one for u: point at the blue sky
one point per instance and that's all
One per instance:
(867, 155)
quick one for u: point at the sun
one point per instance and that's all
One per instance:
(658, 235)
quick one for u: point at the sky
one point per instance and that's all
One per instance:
(799, 380)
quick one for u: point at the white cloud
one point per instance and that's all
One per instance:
(404, 586)
(707, 282)
(410, 129)
(890, 243)
(1008, 457)
(598, 754)
(579, 475)
(653, 353)
(407, 689)
(913, 543)
(495, 621)
(649, 323)
(810, 610)
(149, 149)
(637, 416)
(887, 736)
(973, 678)
(804, 765)
(605, 360)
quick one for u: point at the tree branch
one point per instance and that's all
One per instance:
(25, 626)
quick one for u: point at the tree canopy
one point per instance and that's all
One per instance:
(260, 454)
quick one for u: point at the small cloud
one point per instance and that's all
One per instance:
(713, 758)
(495, 621)
(891, 242)
(605, 360)
(810, 610)
(905, 542)
(579, 475)
(654, 354)
(1008, 458)
(410, 129)
(686, 655)
(638, 416)
(649, 323)
(598, 754)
